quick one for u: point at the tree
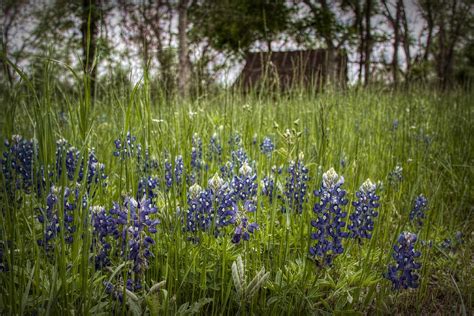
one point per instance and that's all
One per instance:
(368, 8)
(234, 26)
(394, 21)
(449, 23)
(334, 32)
(148, 26)
(184, 68)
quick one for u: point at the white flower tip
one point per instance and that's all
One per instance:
(245, 169)
(216, 182)
(195, 190)
(330, 176)
(368, 186)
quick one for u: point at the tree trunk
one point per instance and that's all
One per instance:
(440, 63)
(331, 69)
(184, 71)
(368, 41)
(360, 30)
(406, 40)
(396, 42)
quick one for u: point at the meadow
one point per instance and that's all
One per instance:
(352, 201)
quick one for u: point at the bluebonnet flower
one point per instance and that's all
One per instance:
(199, 214)
(146, 187)
(330, 219)
(395, 124)
(104, 225)
(50, 216)
(95, 171)
(210, 209)
(403, 273)
(234, 141)
(362, 223)
(267, 146)
(244, 185)
(420, 206)
(17, 163)
(178, 171)
(115, 292)
(147, 164)
(126, 148)
(268, 185)
(239, 157)
(343, 160)
(396, 175)
(452, 243)
(139, 226)
(296, 186)
(69, 156)
(196, 153)
(168, 175)
(224, 201)
(243, 230)
(227, 171)
(215, 149)
(135, 225)
(244, 188)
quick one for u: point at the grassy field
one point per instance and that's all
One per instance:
(79, 231)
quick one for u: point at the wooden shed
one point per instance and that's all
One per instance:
(289, 69)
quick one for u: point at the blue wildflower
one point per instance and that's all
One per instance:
(168, 175)
(420, 206)
(178, 172)
(199, 214)
(95, 169)
(215, 149)
(362, 223)
(403, 273)
(115, 292)
(50, 216)
(268, 185)
(244, 185)
(227, 171)
(69, 156)
(239, 157)
(243, 230)
(396, 175)
(244, 188)
(267, 146)
(104, 225)
(126, 148)
(395, 124)
(136, 224)
(17, 163)
(235, 141)
(196, 153)
(296, 186)
(224, 202)
(330, 219)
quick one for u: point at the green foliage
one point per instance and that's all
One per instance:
(233, 26)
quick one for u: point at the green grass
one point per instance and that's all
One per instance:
(433, 145)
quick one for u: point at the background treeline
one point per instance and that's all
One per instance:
(189, 47)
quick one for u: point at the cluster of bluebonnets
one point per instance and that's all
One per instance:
(224, 207)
